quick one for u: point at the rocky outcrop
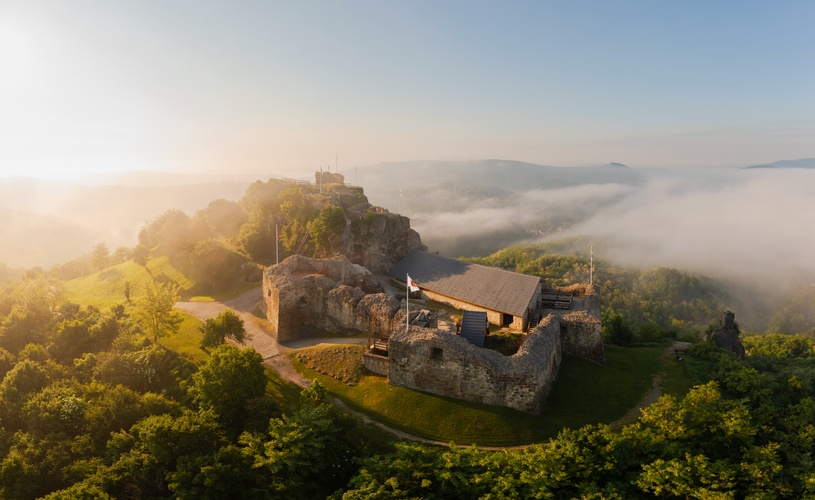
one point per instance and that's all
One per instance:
(727, 336)
(305, 297)
(378, 239)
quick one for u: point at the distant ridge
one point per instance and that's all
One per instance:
(800, 163)
(496, 174)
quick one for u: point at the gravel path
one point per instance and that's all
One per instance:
(259, 332)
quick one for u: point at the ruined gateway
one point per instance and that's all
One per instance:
(305, 296)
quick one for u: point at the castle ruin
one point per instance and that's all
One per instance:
(306, 296)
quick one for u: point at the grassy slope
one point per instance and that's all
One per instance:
(584, 393)
(107, 288)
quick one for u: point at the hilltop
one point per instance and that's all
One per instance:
(508, 175)
(799, 163)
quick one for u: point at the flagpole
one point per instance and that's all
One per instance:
(407, 303)
(591, 267)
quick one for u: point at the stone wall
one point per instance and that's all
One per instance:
(446, 364)
(375, 363)
(581, 328)
(305, 296)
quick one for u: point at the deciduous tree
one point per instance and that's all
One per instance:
(229, 379)
(156, 312)
(100, 256)
(217, 330)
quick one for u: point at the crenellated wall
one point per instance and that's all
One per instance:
(446, 364)
(580, 327)
(305, 296)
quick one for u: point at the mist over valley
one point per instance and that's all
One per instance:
(746, 228)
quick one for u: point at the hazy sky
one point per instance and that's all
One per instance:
(91, 86)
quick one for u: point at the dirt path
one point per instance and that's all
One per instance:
(653, 393)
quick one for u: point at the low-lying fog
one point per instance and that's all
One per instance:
(751, 224)
(742, 223)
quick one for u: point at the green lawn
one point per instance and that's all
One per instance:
(584, 393)
(186, 341)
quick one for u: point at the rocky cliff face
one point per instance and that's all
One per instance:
(378, 239)
(373, 237)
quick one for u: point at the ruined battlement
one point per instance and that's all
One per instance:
(447, 364)
(304, 297)
(580, 325)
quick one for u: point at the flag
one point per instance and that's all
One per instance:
(412, 286)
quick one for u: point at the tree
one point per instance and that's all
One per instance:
(329, 223)
(229, 379)
(141, 254)
(689, 476)
(101, 256)
(156, 311)
(223, 217)
(122, 254)
(211, 265)
(217, 330)
(306, 452)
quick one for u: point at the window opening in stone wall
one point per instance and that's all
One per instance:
(436, 353)
(506, 320)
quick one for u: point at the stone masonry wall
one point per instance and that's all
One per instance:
(375, 363)
(305, 296)
(446, 364)
(580, 328)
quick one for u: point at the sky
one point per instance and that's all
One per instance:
(287, 87)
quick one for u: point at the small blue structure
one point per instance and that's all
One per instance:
(473, 327)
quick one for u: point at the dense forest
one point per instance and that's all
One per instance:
(93, 404)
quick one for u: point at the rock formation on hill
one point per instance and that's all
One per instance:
(727, 336)
(373, 237)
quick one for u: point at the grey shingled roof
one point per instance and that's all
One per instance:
(488, 287)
